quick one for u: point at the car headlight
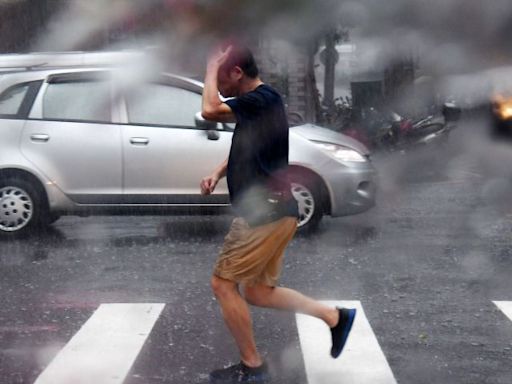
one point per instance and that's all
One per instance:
(341, 153)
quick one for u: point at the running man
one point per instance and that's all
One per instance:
(248, 268)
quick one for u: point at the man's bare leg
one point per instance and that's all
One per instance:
(238, 319)
(290, 300)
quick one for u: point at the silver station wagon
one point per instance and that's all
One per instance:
(84, 141)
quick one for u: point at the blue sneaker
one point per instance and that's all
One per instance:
(341, 330)
(240, 373)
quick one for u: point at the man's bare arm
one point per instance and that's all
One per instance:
(212, 106)
(209, 183)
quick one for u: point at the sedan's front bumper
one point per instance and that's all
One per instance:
(352, 188)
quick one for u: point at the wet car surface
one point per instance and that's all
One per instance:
(82, 142)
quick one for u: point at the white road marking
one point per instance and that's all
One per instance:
(105, 348)
(362, 360)
(506, 307)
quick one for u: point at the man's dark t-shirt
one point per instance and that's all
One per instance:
(259, 149)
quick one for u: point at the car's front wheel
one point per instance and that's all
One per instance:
(309, 199)
(21, 207)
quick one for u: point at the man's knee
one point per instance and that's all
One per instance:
(257, 295)
(222, 287)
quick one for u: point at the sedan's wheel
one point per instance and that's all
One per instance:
(309, 202)
(16, 209)
(306, 203)
(21, 207)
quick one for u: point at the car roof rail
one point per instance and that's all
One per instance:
(30, 67)
(69, 59)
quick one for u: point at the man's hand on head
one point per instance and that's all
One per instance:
(213, 108)
(219, 57)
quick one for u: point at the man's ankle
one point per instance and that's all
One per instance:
(333, 318)
(253, 363)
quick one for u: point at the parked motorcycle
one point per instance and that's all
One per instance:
(399, 133)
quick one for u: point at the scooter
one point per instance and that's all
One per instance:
(400, 134)
(433, 129)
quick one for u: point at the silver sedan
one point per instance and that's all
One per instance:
(82, 141)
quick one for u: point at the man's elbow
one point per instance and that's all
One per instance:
(209, 114)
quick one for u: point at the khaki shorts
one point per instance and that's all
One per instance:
(253, 256)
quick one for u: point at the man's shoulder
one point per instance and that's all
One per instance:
(261, 97)
(261, 90)
(266, 94)
(258, 103)
(267, 89)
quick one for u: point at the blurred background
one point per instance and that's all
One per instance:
(322, 55)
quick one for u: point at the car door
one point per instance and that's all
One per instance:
(69, 137)
(165, 154)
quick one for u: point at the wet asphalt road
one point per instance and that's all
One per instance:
(426, 263)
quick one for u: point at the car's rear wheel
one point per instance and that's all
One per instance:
(307, 193)
(22, 207)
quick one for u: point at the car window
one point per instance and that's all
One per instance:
(12, 99)
(80, 100)
(159, 104)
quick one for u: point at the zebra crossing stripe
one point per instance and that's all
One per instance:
(106, 346)
(505, 307)
(362, 360)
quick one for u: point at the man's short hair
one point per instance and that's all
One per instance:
(242, 57)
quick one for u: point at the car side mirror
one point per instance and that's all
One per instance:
(213, 135)
(202, 123)
(209, 126)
